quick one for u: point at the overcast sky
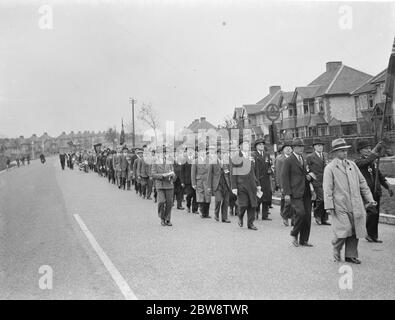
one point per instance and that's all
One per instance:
(189, 59)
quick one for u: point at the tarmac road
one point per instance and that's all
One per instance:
(195, 259)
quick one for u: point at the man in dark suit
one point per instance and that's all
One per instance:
(178, 188)
(368, 167)
(316, 162)
(296, 185)
(186, 181)
(263, 172)
(219, 184)
(136, 163)
(285, 211)
(62, 158)
(244, 183)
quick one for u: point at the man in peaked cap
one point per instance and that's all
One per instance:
(316, 162)
(263, 172)
(367, 164)
(345, 195)
(296, 185)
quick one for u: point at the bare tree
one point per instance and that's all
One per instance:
(147, 115)
(110, 135)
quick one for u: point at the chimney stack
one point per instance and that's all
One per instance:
(202, 119)
(333, 65)
(274, 89)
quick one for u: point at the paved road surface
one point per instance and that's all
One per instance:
(195, 259)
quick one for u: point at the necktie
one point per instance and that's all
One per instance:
(300, 160)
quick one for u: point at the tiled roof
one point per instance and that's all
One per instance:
(340, 80)
(287, 96)
(252, 108)
(270, 98)
(308, 92)
(370, 85)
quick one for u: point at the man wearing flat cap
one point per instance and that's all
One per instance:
(296, 186)
(367, 164)
(345, 195)
(263, 172)
(316, 161)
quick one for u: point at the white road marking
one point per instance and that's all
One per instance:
(117, 277)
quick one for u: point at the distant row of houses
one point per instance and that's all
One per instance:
(342, 101)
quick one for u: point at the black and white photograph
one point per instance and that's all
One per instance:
(207, 153)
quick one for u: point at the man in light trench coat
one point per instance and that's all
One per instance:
(345, 192)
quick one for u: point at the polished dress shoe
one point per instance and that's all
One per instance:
(295, 241)
(306, 244)
(180, 208)
(252, 228)
(378, 240)
(240, 223)
(163, 223)
(268, 219)
(189, 210)
(168, 223)
(326, 223)
(216, 219)
(353, 260)
(317, 221)
(369, 239)
(285, 221)
(226, 221)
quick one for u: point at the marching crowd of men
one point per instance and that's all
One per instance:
(241, 182)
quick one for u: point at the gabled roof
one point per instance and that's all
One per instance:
(203, 124)
(252, 108)
(340, 80)
(370, 85)
(287, 96)
(307, 92)
(270, 98)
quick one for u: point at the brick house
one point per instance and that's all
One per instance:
(326, 106)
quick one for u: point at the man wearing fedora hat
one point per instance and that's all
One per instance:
(296, 185)
(244, 183)
(263, 172)
(285, 152)
(316, 162)
(345, 191)
(368, 166)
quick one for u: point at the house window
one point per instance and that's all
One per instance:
(371, 101)
(322, 130)
(308, 106)
(363, 100)
(335, 131)
(292, 111)
(321, 106)
(312, 131)
(349, 129)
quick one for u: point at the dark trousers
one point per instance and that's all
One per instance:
(204, 208)
(143, 186)
(111, 176)
(221, 203)
(302, 209)
(319, 211)
(149, 188)
(234, 208)
(265, 208)
(191, 197)
(178, 193)
(250, 214)
(137, 186)
(372, 219)
(165, 203)
(62, 164)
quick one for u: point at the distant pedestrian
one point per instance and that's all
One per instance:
(8, 163)
(42, 158)
(62, 158)
(345, 191)
(367, 164)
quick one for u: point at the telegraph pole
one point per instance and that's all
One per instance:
(132, 101)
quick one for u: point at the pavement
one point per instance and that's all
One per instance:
(105, 243)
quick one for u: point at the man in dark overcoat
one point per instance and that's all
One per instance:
(244, 183)
(263, 172)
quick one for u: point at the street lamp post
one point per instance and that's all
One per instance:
(132, 101)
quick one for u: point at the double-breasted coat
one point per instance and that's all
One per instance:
(345, 190)
(244, 180)
(199, 178)
(214, 175)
